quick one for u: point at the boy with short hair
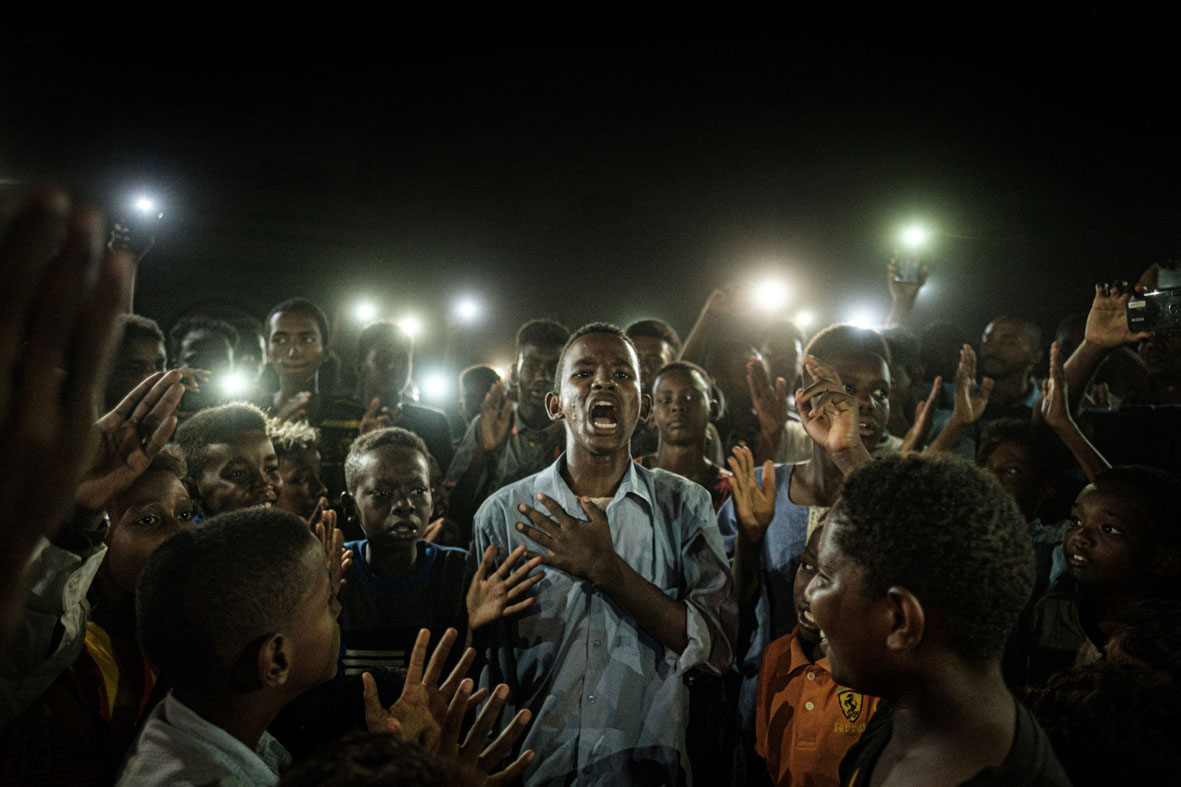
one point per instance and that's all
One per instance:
(139, 354)
(240, 615)
(922, 571)
(657, 345)
(639, 596)
(682, 407)
(513, 436)
(231, 461)
(297, 449)
(400, 582)
(805, 720)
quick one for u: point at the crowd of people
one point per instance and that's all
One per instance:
(866, 556)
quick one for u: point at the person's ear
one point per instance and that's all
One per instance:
(714, 409)
(514, 378)
(553, 407)
(645, 407)
(273, 661)
(907, 620)
(348, 505)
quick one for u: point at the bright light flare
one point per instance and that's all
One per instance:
(804, 319)
(145, 204)
(436, 387)
(365, 311)
(235, 384)
(770, 294)
(467, 309)
(915, 236)
(864, 318)
(411, 325)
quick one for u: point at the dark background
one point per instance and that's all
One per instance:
(618, 181)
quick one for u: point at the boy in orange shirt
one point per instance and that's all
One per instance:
(805, 721)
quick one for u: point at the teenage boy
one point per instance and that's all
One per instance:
(805, 720)
(231, 461)
(637, 595)
(513, 435)
(298, 451)
(385, 359)
(401, 583)
(297, 342)
(682, 407)
(139, 354)
(657, 345)
(922, 571)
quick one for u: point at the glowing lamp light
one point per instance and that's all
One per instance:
(915, 236)
(411, 325)
(365, 311)
(435, 387)
(770, 294)
(145, 205)
(804, 319)
(235, 384)
(467, 309)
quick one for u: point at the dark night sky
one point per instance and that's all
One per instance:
(618, 183)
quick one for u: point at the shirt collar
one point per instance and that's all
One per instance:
(636, 484)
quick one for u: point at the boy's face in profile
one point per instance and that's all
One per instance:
(302, 488)
(295, 347)
(536, 368)
(866, 377)
(654, 354)
(134, 362)
(809, 631)
(681, 407)
(599, 395)
(240, 474)
(1108, 540)
(155, 508)
(314, 635)
(844, 611)
(392, 495)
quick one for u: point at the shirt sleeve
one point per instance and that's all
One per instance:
(711, 619)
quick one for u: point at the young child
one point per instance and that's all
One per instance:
(231, 461)
(297, 449)
(1122, 546)
(401, 583)
(682, 408)
(805, 721)
(922, 570)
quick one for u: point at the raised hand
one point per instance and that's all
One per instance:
(295, 408)
(331, 538)
(379, 417)
(1107, 322)
(754, 505)
(1052, 408)
(495, 416)
(421, 710)
(495, 594)
(473, 753)
(580, 548)
(903, 290)
(62, 296)
(770, 403)
(924, 413)
(829, 414)
(130, 436)
(970, 398)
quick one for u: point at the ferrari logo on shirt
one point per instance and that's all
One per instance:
(851, 703)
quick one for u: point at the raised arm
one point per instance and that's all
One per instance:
(1107, 328)
(1053, 410)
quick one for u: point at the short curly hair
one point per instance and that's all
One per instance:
(597, 327)
(299, 306)
(949, 533)
(391, 435)
(843, 338)
(292, 437)
(543, 332)
(222, 424)
(655, 329)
